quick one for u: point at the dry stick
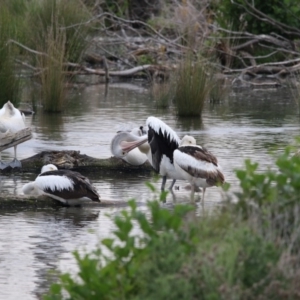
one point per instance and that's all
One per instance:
(26, 48)
(106, 14)
(106, 70)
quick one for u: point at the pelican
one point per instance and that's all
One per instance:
(69, 187)
(11, 120)
(135, 157)
(197, 165)
(162, 142)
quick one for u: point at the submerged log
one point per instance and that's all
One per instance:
(70, 159)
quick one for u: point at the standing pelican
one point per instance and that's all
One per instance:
(11, 120)
(135, 157)
(162, 142)
(69, 187)
(197, 165)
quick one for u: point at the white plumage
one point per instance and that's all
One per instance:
(134, 157)
(197, 165)
(11, 120)
(162, 141)
(68, 187)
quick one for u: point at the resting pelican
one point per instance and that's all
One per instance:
(135, 157)
(11, 120)
(162, 142)
(69, 187)
(197, 165)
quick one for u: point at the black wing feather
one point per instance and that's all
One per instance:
(82, 186)
(160, 144)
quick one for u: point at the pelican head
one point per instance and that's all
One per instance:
(49, 167)
(188, 140)
(124, 142)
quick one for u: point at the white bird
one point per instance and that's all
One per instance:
(135, 157)
(162, 142)
(11, 120)
(69, 187)
(197, 165)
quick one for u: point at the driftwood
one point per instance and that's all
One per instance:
(8, 139)
(76, 161)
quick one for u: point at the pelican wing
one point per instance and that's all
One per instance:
(67, 185)
(162, 140)
(199, 163)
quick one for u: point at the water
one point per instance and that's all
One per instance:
(249, 124)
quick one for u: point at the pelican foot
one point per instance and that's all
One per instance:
(15, 164)
(3, 165)
(196, 188)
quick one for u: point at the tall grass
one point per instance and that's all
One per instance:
(53, 71)
(9, 81)
(193, 85)
(69, 16)
(57, 29)
(162, 94)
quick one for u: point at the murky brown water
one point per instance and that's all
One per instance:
(249, 124)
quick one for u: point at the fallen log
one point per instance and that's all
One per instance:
(23, 202)
(9, 139)
(70, 159)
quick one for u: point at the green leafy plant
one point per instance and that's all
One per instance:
(240, 252)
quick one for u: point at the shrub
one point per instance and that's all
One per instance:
(235, 13)
(244, 251)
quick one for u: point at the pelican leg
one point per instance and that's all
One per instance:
(192, 193)
(203, 195)
(164, 179)
(172, 184)
(15, 163)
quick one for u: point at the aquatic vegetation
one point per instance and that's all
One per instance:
(162, 94)
(193, 85)
(9, 80)
(53, 76)
(60, 36)
(246, 250)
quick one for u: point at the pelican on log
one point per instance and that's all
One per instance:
(11, 120)
(69, 187)
(135, 157)
(159, 145)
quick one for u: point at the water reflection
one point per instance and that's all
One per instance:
(248, 124)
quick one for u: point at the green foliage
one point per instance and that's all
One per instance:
(235, 13)
(241, 252)
(57, 29)
(193, 85)
(59, 15)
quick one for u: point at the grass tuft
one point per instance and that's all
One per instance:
(9, 81)
(53, 72)
(193, 85)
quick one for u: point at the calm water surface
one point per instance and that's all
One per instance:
(249, 124)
